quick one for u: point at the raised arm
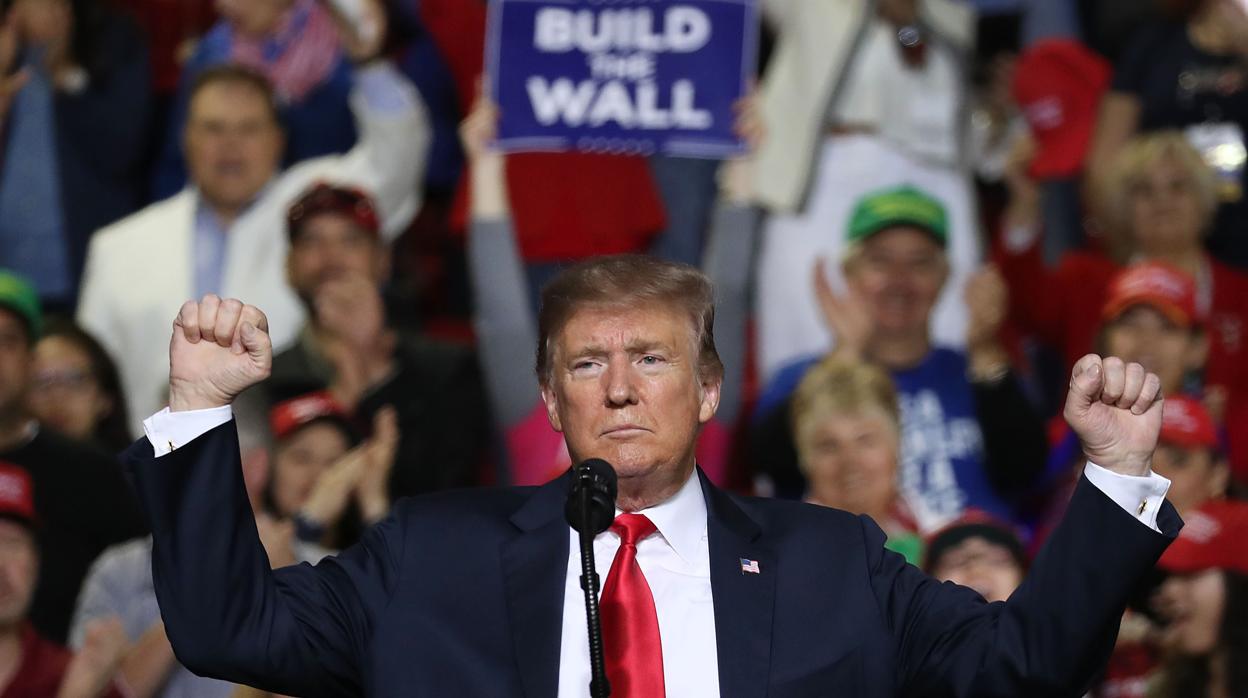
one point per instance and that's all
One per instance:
(1056, 631)
(503, 319)
(392, 147)
(301, 630)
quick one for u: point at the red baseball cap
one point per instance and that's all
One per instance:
(1157, 285)
(290, 416)
(323, 197)
(17, 495)
(1058, 84)
(1186, 423)
(1213, 536)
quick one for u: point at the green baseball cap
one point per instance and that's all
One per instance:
(900, 206)
(18, 295)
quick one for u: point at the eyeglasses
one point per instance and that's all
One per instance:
(72, 380)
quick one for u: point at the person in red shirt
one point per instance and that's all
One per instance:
(31, 666)
(1164, 197)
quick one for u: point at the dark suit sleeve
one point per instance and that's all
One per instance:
(1053, 634)
(300, 630)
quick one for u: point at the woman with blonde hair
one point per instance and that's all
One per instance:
(1161, 200)
(847, 426)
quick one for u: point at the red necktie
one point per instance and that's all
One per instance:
(630, 624)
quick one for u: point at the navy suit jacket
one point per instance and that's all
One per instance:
(461, 594)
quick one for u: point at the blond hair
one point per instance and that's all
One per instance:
(1140, 155)
(837, 386)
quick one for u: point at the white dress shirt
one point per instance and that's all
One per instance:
(675, 561)
(677, 564)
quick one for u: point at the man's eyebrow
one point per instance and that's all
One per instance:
(645, 346)
(588, 350)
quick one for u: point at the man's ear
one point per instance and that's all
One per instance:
(551, 400)
(382, 261)
(709, 399)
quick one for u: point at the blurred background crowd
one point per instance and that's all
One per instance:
(945, 204)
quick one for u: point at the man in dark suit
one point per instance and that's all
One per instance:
(475, 593)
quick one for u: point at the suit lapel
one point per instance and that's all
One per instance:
(744, 601)
(535, 565)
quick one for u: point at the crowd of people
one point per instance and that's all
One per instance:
(942, 206)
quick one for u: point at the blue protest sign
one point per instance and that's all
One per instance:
(625, 76)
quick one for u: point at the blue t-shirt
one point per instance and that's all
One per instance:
(941, 473)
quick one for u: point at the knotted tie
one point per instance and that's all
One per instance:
(630, 623)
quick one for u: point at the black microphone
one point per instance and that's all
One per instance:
(590, 510)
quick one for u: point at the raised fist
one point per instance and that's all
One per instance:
(1115, 409)
(219, 349)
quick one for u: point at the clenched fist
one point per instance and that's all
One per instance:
(219, 349)
(1115, 410)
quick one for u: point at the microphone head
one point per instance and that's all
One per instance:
(591, 498)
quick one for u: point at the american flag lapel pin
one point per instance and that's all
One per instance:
(750, 566)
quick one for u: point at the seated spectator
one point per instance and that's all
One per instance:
(1204, 602)
(75, 136)
(860, 96)
(76, 390)
(1164, 200)
(1185, 75)
(503, 316)
(847, 427)
(979, 553)
(969, 436)
(30, 665)
(82, 500)
(304, 48)
(324, 479)
(337, 264)
(120, 585)
(224, 233)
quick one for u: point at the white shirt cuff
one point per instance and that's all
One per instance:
(168, 430)
(1139, 496)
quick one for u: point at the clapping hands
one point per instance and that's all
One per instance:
(361, 475)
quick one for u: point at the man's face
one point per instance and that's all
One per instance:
(899, 275)
(15, 363)
(625, 387)
(332, 246)
(19, 564)
(233, 145)
(254, 18)
(301, 460)
(1144, 335)
(851, 461)
(1196, 475)
(988, 568)
(1193, 604)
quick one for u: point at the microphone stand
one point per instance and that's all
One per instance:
(599, 687)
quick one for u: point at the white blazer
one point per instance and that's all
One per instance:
(139, 271)
(814, 43)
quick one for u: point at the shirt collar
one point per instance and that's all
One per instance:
(681, 520)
